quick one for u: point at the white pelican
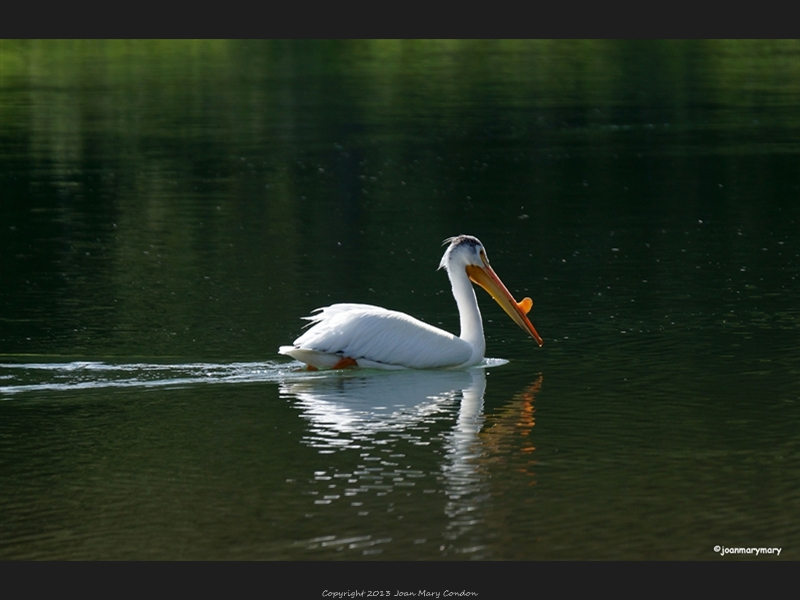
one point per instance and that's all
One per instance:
(345, 335)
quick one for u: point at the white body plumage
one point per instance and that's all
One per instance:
(370, 336)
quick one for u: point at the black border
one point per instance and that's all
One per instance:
(333, 20)
(484, 580)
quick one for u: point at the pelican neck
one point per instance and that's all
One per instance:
(468, 311)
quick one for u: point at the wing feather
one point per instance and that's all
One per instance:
(374, 334)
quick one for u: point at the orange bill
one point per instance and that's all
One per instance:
(486, 278)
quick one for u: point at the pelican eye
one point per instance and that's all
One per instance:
(482, 254)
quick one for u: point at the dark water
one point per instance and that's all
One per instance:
(170, 210)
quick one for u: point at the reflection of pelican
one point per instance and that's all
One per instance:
(481, 453)
(365, 405)
(382, 415)
(368, 336)
(465, 483)
(514, 421)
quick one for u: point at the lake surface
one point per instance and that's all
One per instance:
(169, 212)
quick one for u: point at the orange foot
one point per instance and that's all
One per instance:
(345, 362)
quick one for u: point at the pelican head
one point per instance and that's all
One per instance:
(467, 252)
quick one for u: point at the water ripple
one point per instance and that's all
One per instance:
(82, 375)
(17, 378)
